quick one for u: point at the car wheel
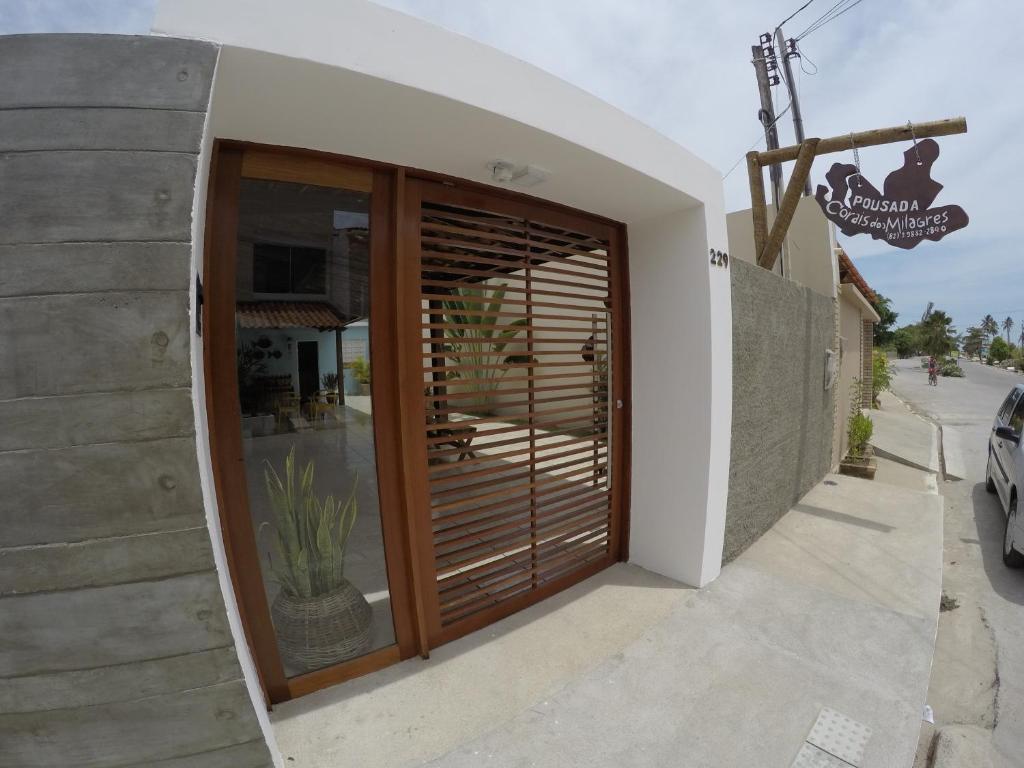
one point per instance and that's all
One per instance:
(1011, 557)
(990, 485)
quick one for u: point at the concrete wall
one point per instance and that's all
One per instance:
(810, 245)
(115, 647)
(782, 418)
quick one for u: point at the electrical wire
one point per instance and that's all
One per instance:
(832, 14)
(801, 55)
(757, 141)
(794, 13)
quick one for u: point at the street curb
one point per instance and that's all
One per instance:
(937, 447)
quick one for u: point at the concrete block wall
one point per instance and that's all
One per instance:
(782, 416)
(115, 649)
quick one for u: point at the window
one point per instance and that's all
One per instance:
(1007, 406)
(1017, 420)
(288, 269)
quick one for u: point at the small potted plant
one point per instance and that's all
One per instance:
(320, 617)
(860, 458)
(361, 372)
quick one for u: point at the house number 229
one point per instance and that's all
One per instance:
(719, 259)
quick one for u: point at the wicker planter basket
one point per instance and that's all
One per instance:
(316, 632)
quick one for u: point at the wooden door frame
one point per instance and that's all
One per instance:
(398, 431)
(229, 163)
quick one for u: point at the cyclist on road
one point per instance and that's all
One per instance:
(933, 377)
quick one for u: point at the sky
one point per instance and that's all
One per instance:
(684, 67)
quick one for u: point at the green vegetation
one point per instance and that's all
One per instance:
(477, 338)
(998, 351)
(881, 375)
(361, 370)
(883, 331)
(311, 534)
(933, 335)
(858, 425)
(949, 367)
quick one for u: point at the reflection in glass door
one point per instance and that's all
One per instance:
(302, 316)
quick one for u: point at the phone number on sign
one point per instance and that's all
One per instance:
(915, 233)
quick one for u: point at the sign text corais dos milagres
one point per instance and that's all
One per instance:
(900, 214)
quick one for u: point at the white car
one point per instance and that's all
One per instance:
(1004, 475)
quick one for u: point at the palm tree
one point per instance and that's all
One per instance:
(990, 326)
(1008, 326)
(938, 334)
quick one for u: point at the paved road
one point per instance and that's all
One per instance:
(978, 672)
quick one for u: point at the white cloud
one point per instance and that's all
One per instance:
(684, 68)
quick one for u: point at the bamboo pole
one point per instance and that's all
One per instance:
(947, 127)
(759, 207)
(794, 189)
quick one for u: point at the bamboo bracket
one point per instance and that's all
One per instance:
(767, 244)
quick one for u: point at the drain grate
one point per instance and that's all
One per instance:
(835, 741)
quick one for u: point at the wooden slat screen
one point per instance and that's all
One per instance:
(516, 347)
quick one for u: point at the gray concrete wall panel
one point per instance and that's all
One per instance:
(782, 415)
(94, 342)
(118, 129)
(77, 196)
(105, 71)
(115, 648)
(47, 268)
(99, 491)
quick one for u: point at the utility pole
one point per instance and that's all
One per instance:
(798, 121)
(764, 67)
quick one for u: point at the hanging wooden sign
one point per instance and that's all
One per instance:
(901, 214)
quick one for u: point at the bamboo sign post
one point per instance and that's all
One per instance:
(767, 243)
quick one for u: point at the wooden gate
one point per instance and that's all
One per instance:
(520, 317)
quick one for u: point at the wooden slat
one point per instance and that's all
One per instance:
(508, 286)
(579, 467)
(474, 531)
(463, 559)
(489, 407)
(436, 483)
(505, 419)
(521, 303)
(541, 263)
(571, 490)
(509, 454)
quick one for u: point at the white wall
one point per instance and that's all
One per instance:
(682, 394)
(348, 77)
(810, 245)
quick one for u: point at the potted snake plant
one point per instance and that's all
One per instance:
(319, 616)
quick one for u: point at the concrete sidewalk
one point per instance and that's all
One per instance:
(902, 436)
(836, 606)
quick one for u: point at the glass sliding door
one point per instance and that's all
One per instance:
(292, 254)
(302, 321)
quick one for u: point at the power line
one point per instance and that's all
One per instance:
(794, 13)
(831, 14)
(759, 139)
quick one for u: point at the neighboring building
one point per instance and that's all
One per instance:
(195, 223)
(857, 318)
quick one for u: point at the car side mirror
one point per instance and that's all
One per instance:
(1007, 434)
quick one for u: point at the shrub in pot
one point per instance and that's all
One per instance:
(320, 617)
